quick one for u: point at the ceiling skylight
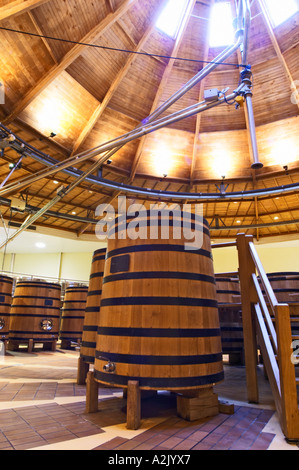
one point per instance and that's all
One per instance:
(172, 16)
(221, 26)
(281, 10)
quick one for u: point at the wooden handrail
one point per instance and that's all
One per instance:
(265, 310)
(224, 245)
(263, 276)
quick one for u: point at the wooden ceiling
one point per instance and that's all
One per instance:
(89, 95)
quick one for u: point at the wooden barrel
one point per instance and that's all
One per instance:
(72, 314)
(6, 286)
(35, 312)
(92, 310)
(230, 316)
(159, 321)
(285, 286)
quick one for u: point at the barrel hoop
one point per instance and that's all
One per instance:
(184, 301)
(160, 332)
(35, 306)
(159, 360)
(88, 344)
(73, 317)
(159, 275)
(4, 305)
(286, 290)
(36, 297)
(7, 280)
(287, 273)
(92, 309)
(100, 274)
(157, 247)
(232, 349)
(227, 279)
(4, 315)
(232, 340)
(160, 382)
(228, 292)
(100, 251)
(34, 315)
(94, 292)
(98, 258)
(31, 333)
(231, 328)
(90, 328)
(81, 289)
(71, 332)
(156, 223)
(38, 284)
(89, 359)
(174, 213)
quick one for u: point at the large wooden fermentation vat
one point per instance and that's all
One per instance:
(230, 316)
(6, 286)
(159, 320)
(35, 313)
(285, 286)
(72, 315)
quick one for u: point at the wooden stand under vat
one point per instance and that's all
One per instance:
(72, 316)
(35, 313)
(6, 286)
(159, 325)
(92, 311)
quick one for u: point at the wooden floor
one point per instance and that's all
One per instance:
(42, 408)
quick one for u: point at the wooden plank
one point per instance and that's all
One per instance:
(19, 6)
(91, 394)
(69, 58)
(133, 405)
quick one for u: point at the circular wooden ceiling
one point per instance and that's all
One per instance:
(80, 73)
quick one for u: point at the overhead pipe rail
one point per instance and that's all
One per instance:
(151, 123)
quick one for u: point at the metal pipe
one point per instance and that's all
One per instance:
(253, 140)
(125, 138)
(11, 172)
(114, 148)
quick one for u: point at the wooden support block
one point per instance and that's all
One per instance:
(91, 394)
(83, 368)
(225, 407)
(30, 345)
(203, 405)
(133, 405)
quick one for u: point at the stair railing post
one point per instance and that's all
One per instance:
(248, 299)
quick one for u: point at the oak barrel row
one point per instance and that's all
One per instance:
(33, 314)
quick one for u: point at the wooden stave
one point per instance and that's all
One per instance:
(146, 382)
(6, 287)
(92, 310)
(73, 313)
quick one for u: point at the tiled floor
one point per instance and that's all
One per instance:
(42, 407)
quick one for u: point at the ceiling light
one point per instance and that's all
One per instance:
(55, 182)
(238, 221)
(40, 245)
(221, 31)
(276, 217)
(74, 213)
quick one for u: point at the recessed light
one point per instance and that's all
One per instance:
(40, 245)
(74, 213)
(55, 182)
(276, 217)
(238, 221)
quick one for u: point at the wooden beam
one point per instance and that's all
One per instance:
(163, 84)
(18, 6)
(201, 92)
(114, 85)
(69, 58)
(279, 54)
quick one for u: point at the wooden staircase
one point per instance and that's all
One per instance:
(267, 327)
